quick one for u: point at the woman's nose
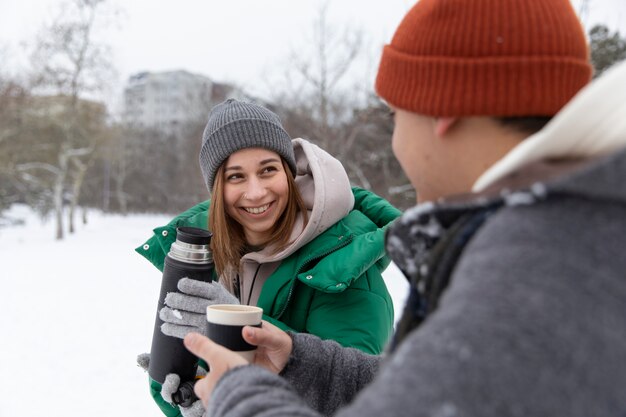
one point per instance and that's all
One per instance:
(255, 190)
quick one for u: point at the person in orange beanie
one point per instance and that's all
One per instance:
(514, 251)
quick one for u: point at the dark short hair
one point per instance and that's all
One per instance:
(524, 124)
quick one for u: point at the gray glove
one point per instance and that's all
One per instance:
(143, 361)
(185, 311)
(170, 386)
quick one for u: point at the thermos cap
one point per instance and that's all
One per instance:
(193, 235)
(191, 246)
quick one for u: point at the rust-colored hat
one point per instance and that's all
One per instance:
(485, 58)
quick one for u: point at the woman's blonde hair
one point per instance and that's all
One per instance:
(228, 242)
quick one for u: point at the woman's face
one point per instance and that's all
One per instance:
(255, 191)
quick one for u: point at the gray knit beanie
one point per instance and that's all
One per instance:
(235, 125)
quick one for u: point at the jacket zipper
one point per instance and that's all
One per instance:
(256, 273)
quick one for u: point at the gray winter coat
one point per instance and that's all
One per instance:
(533, 319)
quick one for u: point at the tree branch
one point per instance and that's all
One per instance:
(38, 165)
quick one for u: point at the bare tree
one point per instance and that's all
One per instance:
(316, 87)
(13, 99)
(319, 102)
(70, 64)
(333, 55)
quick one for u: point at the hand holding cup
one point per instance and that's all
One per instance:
(274, 347)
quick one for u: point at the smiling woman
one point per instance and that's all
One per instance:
(256, 202)
(289, 235)
(256, 190)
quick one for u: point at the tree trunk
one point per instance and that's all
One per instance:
(81, 169)
(361, 175)
(58, 207)
(120, 179)
(58, 192)
(106, 187)
(70, 219)
(122, 200)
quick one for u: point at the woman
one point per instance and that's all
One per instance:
(289, 233)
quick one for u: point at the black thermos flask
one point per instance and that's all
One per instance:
(189, 256)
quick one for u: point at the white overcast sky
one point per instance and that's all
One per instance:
(238, 41)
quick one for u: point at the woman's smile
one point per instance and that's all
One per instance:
(257, 210)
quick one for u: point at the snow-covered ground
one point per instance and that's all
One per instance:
(75, 314)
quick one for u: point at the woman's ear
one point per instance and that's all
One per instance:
(443, 125)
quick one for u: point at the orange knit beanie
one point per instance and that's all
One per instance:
(485, 58)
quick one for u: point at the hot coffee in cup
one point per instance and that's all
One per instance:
(225, 322)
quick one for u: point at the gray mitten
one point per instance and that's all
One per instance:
(185, 311)
(170, 386)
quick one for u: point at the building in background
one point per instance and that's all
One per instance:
(170, 101)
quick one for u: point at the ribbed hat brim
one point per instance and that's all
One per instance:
(494, 86)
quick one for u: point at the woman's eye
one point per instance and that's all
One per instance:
(267, 170)
(234, 177)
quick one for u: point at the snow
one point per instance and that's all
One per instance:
(76, 313)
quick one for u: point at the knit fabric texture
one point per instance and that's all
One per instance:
(457, 58)
(234, 125)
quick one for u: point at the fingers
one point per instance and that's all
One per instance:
(274, 346)
(187, 302)
(195, 287)
(170, 386)
(202, 346)
(184, 318)
(212, 353)
(176, 330)
(178, 323)
(217, 357)
(215, 292)
(268, 336)
(196, 410)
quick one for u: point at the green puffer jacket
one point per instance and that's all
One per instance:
(332, 287)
